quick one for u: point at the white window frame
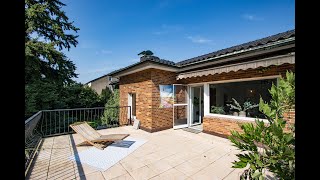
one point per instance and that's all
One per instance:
(130, 104)
(181, 104)
(207, 97)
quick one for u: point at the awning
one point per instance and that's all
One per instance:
(241, 66)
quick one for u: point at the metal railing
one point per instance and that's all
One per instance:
(56, 122)
(33, 138)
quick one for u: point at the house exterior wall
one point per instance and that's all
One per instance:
(152, 118)
(290, 117)
(99, 84)
(146, 86)
(161, 117)
(221, 126)
(141, 84)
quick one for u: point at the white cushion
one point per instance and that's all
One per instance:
(136, 124)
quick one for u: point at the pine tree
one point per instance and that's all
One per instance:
(47, 70)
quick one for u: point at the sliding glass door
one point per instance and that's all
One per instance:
(196, 105)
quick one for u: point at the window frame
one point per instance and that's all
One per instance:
(207, 97)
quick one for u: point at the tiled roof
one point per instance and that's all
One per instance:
(157, 59)
(243, 46)
(147, 58)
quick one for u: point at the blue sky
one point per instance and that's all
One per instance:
(112, 33)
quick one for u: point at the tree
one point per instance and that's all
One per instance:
(146, 53)
(47, 70)
(105, 95)
(111, 112)
(277, 152)
(77, 95)
(41, 96)
(47, 28)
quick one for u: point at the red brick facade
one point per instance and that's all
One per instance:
(290, 117)
(141, 84)
(161, 117)
(221, 126)
(146, 86)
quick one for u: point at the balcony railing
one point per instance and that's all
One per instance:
(56, 122)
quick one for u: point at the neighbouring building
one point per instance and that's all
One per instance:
(103, 82)
(203, 86)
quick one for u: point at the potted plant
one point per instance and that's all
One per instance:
(217, 110)
(242, 109)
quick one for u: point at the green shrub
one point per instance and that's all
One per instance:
(105, 95)
(277, 152)
(111, 112)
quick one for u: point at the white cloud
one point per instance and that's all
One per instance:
(199, 40)
(104, 51)
(94, 71)
(251, 17)
(165, 29)
(86, 45)
(160, 32)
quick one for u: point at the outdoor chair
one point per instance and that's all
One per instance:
(92, 137)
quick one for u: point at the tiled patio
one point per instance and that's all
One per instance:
(168, 154)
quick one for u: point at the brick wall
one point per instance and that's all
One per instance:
(221, 126)
(146, 86)
(290, 117)
(141, 84)
(161, 117)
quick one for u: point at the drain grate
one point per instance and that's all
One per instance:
(122, 143)
(192, 130)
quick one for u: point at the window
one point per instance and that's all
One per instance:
(222, 95)
(110, 78)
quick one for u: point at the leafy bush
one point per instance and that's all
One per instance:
(93, 124)
(105, 95)
(44, 94)
(111, 112)
(277, 152)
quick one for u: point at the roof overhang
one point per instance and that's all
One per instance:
(276, 60)
(143, 66)
(242, 54)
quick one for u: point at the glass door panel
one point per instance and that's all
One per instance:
(180, 106)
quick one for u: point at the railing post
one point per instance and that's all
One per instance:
(41, 119)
